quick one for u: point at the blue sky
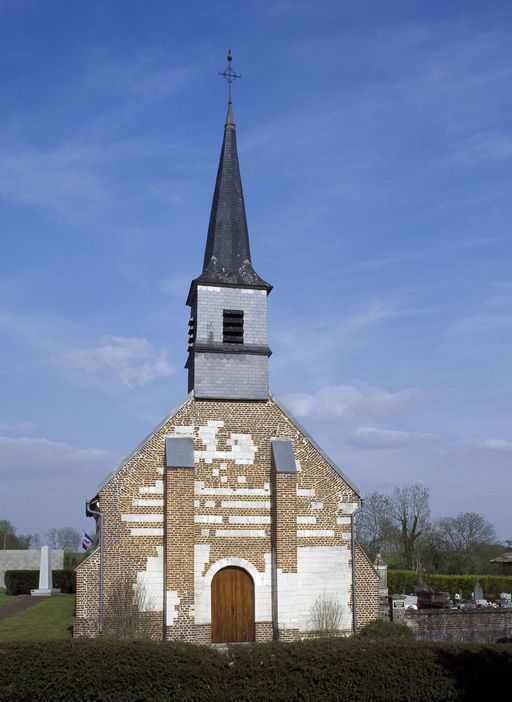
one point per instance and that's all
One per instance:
(375, 143)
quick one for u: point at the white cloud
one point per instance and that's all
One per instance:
(18, 428)
(132, 360)
(373, 437)
(45, 483)
(348, 401)
(27, 452)
(51, 176)
(496, 445)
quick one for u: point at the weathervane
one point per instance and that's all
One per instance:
(229, 74)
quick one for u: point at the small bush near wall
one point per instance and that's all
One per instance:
(492, 585)
(21, 582)
(321, 670)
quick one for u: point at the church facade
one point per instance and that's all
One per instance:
(228, 518)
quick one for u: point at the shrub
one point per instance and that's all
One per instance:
(21, 582)
(65, 580)
(127, 611)
(72, 559)
(110, 671)
(324, 670)
(326, 615)
(380, 628)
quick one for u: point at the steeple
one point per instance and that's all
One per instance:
(227, 259)
(228, 349)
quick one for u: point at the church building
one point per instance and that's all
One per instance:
(228, 522)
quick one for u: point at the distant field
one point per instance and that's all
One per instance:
(49, 619)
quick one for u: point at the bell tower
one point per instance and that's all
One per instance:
(228, 347)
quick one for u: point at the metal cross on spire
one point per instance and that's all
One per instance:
(229, 74)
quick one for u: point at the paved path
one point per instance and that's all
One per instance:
(23, 602)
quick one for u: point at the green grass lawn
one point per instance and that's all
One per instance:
(49, 619)
(6, 599)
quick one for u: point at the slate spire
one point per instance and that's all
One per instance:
(227, 258)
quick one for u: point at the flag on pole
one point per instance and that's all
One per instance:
(86, 541)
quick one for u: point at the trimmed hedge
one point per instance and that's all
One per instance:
(72, 559)
(21, 582)
(320, 670)
(492, 585)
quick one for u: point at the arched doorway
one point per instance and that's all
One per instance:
(232, 606)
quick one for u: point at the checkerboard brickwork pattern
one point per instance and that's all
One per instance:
(170, 530)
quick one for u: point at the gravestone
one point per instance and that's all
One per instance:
(382, 571)
(45, 588)
(479, 593)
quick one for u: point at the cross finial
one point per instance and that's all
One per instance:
(229, 74)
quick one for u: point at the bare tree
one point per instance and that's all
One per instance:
(374, 526)
(9, 539)
(7, 531)
(464, 535)
(433, 551)
(409, 507)
(66, 538)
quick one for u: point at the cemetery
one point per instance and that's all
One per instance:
(437, 615)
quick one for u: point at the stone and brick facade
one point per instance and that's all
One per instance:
(174, 528)
(228, 481)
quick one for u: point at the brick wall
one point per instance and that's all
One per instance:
(480, 625)
(367, 589)
(87, 604)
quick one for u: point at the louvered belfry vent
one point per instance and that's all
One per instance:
(233, 327)
(191, 332)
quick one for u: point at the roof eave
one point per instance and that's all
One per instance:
(221, 284)
(316, 446)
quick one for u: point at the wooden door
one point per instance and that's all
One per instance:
(232, 606)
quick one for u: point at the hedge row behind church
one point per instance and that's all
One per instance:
(21, 582)
(492, 585)
(321, 670)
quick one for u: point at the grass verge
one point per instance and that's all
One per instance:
(50, 619)
(6, 599)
